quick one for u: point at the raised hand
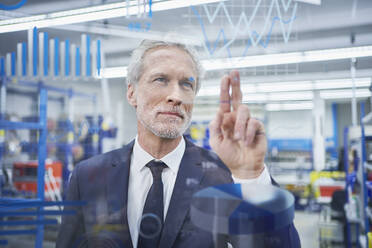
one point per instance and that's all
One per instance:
(238, 139)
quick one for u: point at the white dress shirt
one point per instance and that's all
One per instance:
(140, 181)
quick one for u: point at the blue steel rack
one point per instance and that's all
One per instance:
(33, 47)
(358, 175)
(70, 93)
(364, 167)
(8, 205)
(42, 152)
(349, 186)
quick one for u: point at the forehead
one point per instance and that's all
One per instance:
(170, 57)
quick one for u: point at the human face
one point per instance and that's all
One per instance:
(165, 92)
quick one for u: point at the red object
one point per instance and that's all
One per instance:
(25, 176)
(328, 190)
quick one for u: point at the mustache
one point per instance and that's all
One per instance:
(175, 109)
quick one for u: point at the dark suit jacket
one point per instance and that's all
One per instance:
(102, 182)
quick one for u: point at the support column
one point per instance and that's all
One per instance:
(318, 132)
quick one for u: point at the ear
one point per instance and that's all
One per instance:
(131, 95)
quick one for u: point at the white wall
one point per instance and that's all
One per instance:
(20, 106)
(299, 123)
(289, 124)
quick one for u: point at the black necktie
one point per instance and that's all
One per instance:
(153, 211)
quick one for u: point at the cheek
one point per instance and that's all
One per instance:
(188, 108)
(190, 102)
(144, 96)
(148, 101)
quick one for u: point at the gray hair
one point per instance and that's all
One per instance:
(135, 67)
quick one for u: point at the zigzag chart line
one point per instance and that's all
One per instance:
(255, 38)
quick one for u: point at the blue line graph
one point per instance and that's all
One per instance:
(265, 43)
(255, 37)
(14, 6)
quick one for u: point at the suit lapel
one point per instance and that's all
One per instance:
(190, 172)
(117, 192)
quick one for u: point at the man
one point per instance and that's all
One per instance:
(139, 195)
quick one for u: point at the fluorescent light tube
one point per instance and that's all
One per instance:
(262, 97)
(273, 107)
(339, 94)
(94, 13)
(291, 96)
(174, 4)
(287, 58)
(316, 2)
(289, 106)
(248, 88)
(341, 83)
(316, 85)
(215, 90)
(113, 72)
(209, 91)
(254, 98)
(285, 86)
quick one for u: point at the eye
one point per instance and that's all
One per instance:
(160, 79)
(188, 84)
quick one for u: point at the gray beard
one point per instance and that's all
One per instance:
(168, 133)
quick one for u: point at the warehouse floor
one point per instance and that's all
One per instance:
(307, 227)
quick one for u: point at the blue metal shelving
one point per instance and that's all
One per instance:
(364, 181)
(41, 126)
(11, 206)
(358, 175)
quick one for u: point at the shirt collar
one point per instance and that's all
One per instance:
(172, 160)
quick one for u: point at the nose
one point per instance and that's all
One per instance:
(174, 95)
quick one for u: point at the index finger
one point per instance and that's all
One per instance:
(236, 93)
(225, 94)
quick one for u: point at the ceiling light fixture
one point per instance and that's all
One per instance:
(113, 72)
(289, 106)
(343, 83)
(285, 86)
(291, 96)
(340, 94)
(255, 98)
(316, 2)
(287, 96)
(94, 13)
(287, 58)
